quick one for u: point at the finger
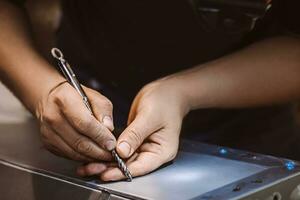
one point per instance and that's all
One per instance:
(102, 108)
(80, 143)
(133, 136)
(143, 164)
(95, 168)
(61, 147)
(81, 119)
(132, 158)
(54, 150)
(91, 169)
(75, 140)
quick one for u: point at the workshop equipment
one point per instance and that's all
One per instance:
(230, 16)
(200, 171)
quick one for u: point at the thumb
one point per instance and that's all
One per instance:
(134, 135)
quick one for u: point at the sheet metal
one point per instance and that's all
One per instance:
(200, 171)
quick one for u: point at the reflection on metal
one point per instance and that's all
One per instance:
(290, 165)
(200, 171)
(223, 151)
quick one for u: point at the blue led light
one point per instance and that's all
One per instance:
(223, 151)
(290, 165)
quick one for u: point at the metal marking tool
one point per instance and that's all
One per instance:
(71, 78)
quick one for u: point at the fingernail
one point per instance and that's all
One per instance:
(107, 121)
(124, 147)
(110, 145)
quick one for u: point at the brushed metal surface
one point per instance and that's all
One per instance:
(190, 175)
(198, 170)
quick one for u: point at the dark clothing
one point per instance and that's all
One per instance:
(127, 44)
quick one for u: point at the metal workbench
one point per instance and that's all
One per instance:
(200, 171)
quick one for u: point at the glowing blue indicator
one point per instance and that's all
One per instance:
(290, 165)
(223, 151)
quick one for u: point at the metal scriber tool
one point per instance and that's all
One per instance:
(71, 78)
(122, 165)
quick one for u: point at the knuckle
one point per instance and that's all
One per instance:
(108, 104)
(83, 146)
(63, 95)
(82, 124)
(58, 96)
(157, 149)
(45, 133)
(102, 101)
(59, 100)
(50, 119)
(105, 157)
(135, 136)
(99, 136)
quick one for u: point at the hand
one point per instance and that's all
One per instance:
(70, 130)
(152, 136)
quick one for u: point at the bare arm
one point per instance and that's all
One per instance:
(264, 73)
(26, 73)
(67, 127)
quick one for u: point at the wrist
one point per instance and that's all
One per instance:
(174, 87)
(28, 75)
(39, 89)
(53, 83)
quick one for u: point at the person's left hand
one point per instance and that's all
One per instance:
(152, 136)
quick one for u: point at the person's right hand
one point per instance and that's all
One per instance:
(70, 130)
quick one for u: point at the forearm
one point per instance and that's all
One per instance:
(264, 73)
(22, 69)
